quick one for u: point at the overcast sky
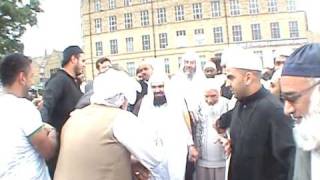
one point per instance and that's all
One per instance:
(60, 25)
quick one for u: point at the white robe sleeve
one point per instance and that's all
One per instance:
(136, 137)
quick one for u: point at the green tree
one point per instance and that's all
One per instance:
(15, 17)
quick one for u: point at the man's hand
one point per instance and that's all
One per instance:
(139, 171)
(218, 128)
(226, 143)
(193, 153)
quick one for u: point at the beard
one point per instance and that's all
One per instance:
(159, 100)
(306, 133)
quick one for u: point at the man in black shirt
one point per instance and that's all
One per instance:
(261, 144)
(62, 92)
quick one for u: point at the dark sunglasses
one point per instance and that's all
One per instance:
(294, 96)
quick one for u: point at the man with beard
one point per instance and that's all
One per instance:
(25, 141)
(62, 93)
(164, 114)
(211, 162)
(301, 92)
(261, 141)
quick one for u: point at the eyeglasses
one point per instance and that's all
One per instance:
(294, 96)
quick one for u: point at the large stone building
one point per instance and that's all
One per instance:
(128, 31)
(46, 66)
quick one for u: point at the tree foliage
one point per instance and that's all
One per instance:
(15, 17)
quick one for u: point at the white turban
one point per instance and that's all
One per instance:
(113, 87)
(211, 84)
(190, 56)
(210, 64)
(237, 57)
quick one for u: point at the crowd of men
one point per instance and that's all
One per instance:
(228, 120)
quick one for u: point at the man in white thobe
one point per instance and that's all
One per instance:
(164, 115)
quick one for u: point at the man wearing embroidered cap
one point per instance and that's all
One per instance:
(256, 123)
(300, 87)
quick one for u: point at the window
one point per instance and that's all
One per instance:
(253, 7)
(161, 15)
(259, 53)
(197, 11)
(198, 31)
(256, 32)
(181, 38)
(113, 46)
(218, 35)
(272, 6)
(234, 8)
(112, 23)
(179, 61)
(215, 8)
(181, 33)
(127, 2)
(145, 42)
(99, 48)
(128, 20)
(236, 32)
(291, 5)
(112, 4)
(97, 25)
(131, 68)
(97, 5)
(202, 61)
(199, 36)
(167, 65)
(179, 13)
(129, 44)
(163, 40)
(275, 30)
(293, 28)
(144, 1)
(144, 18)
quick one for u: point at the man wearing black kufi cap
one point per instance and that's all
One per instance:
(62, 92)
(300, 85)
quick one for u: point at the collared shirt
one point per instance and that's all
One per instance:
(60, 98)
(262, 140)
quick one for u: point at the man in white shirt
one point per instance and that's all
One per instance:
(25, 141)
(163, 112)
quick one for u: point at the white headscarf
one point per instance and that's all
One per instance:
(113, 87)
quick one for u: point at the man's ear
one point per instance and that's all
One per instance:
(74, 59)
(22, 78)
(248, 78)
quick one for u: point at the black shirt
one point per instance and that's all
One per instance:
(60, 97)
(262, 141)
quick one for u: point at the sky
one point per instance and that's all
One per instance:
(60, 25)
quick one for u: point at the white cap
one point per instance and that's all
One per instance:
(210, 64)
(237, 57)
(211, 84)
(190, 56)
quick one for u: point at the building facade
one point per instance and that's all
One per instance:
(46, 65)
(129, 31)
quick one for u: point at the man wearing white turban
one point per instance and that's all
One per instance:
(211, 163)
(164, 114)
(97, 140)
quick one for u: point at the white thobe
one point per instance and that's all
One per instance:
(171, 132)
